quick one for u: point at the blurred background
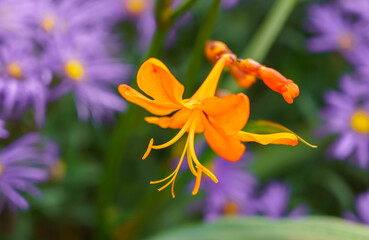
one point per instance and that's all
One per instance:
(71, 146)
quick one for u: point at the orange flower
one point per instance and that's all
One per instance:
(245, 71)
(221, 119)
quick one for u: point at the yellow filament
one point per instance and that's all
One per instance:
(148, 150)
(173, 175)
(198, 182)
(14, 70)
(190, 163)
(360, 121)
(176, 137)
(1, 169)
(191, 136)
(74, 70)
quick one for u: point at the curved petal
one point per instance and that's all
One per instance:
(155, 79)
(209, 86)
(153, 106)
(230, 112)
(272, 138)
(277, 82)
(226, 146)
(177, 121)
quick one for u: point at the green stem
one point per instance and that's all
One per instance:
(113, 161)
(269, 30)
(198, 52)
(157, 44)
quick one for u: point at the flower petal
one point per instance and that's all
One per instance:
(155, 79)
(153, 106)
(272, 138)
(209, 86)
(261, 127)
(243, 80)
(226, 146)
(230, 112)
(277, 82)
(177, 121)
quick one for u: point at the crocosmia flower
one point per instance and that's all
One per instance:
(245, 71)
(23, 164)
(347, 116)
(220, 119)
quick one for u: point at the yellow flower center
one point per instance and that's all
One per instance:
(14, 70)
(136, 7)
(231, 208)
(1, 169)
(74, 70)
(346, 41)
(48, 23)
(360, 121)
(58, 170)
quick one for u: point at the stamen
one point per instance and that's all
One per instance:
(148, 150)
(174, 173)
(198, 182)
(176, 138)
(191, 136)
(162, 180)
(190, 163)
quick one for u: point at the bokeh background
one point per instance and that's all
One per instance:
(97, 186)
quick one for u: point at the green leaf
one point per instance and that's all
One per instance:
(258, 228)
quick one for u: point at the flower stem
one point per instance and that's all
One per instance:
(269, 30)
(198, 52)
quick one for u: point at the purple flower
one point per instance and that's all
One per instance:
(273, 202)
(360, 8)
(23, 164)
(138, 12)
(69, 17)
(89, 73)
(335, 31)
(229, 4)
(13, 18)
(3, 131)
(347, 115)
(362, 209)
(23, 81)
(233, 194)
